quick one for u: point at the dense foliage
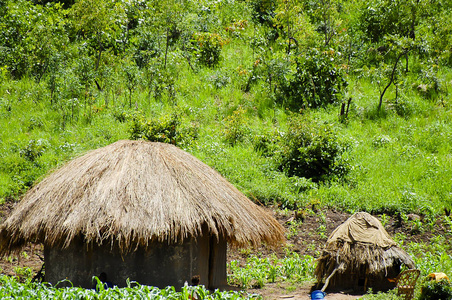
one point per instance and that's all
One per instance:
(436, 290)
(317, 81)
(312, 150)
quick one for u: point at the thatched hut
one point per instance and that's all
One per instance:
(149, 212)
(360, 254)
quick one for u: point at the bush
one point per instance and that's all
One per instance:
(433, 290)
(404, 108)
(208, 48)
(317, 81)
(312, 150)
(236, 128)
(266, 143)
(263, 11)
(382, 17)
(146, 49)
(33, 150)
(166, 129)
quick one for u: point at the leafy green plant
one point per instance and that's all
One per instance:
(235, 126)
(12, 288)
(25, 274)
(207, 48)
(433, 290)
(390, 295)
(322, 232)
(30, 35)
(316, 82)
(33, 150)
(325, 15)
(218, 79)
(257, 271)
(404, 108)
(263, 11)
(417, 226)
(132, 76)
(313, 151)
(166, 129)
(293, 229)
(384, 218)
(147, 47)
(267, 143)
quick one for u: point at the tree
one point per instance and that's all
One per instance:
(317, 81)
(132, 75)
(325, 15)
(401, 48)
(100, 23)
(29, 36)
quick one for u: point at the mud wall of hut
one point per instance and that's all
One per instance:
(161, 265)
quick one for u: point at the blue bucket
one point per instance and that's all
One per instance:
(318, 295)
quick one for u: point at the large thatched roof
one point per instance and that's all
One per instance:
(132, 193)
(361, 240)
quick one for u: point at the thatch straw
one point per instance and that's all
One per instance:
(361, 240)
(132, 193)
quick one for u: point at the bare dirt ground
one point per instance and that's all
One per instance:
(274, 291)
(306, 235)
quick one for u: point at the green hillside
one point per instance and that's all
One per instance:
(336, 104)
(253, 88)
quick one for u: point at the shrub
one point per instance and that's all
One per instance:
(433, 290)
(404, 108)
(208, 48)
(146, 49)
(33, 150)
(235, 126)
(166, 129)
(266, 143)
(381, 17)
(218, 79)
(317, 81)
(263, 11)
(312, 150)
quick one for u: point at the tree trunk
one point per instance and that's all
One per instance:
(391, 80)
(167, 45)
(99, 55)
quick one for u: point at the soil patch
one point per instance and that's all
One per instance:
(283, 291)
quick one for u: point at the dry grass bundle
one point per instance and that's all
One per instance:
(131, 193)
(360, 241)
(350, 257)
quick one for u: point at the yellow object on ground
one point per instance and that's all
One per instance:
(437, 276)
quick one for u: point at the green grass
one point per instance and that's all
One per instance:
(398, 164)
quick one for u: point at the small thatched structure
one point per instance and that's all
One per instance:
(150, 212)
(360, 254)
